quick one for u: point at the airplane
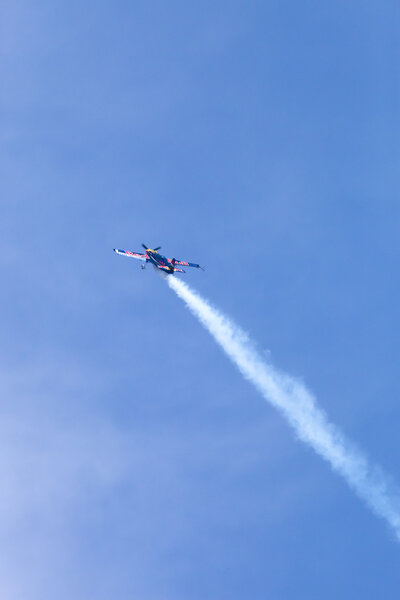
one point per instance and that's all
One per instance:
(167, 265)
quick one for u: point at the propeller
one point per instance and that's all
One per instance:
(146, 248)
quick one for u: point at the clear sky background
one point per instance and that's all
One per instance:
(260, 139)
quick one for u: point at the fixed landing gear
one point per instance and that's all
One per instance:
(143, 266)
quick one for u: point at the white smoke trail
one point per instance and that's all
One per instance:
(299, 407)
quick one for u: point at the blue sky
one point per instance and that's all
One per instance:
(259, 139)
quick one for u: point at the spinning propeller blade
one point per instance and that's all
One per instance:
(146, 248)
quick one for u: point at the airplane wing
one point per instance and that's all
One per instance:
(130, 254)
(184, 263)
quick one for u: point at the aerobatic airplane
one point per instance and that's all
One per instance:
(167, 265)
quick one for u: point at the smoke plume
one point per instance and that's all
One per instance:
(299, 407)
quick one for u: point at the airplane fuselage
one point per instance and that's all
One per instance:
(159, 261)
